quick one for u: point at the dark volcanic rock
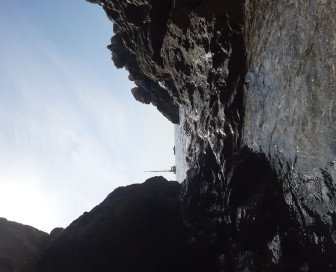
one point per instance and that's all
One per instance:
(136, 228)
(18, 243)
(256, 80)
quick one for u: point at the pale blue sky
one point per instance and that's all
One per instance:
(70, 130)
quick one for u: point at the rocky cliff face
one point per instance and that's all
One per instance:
(136, 228)
(257, 82)
(19, 243)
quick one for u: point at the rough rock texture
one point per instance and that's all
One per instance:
(256, 80)
(18, 243)
(136, 228)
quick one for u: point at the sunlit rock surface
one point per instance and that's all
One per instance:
(256, 80)
(19, 243)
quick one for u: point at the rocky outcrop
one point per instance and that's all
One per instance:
(123, 49)
(256, 80)
(19, 243)
(136, 228)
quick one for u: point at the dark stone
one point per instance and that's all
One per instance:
(19, 243)
(149, 17)
(141, 95)
(136, 228)
(55, 233)
(256, 80)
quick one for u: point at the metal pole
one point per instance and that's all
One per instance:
(160, 171)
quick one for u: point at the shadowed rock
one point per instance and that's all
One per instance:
(256, 80)
(19, 243)
(136, 228)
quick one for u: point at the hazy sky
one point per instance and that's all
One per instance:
(70, 129)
